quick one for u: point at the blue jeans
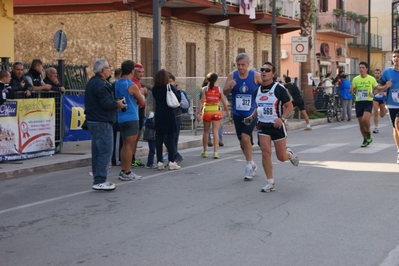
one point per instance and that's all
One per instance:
(220, 133)
(101, 149)
(151, 152)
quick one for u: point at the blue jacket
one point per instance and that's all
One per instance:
(100, 103)
(345, 88)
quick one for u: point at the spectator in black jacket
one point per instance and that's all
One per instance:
(297, 100)
(5, 88)
(18, 82)
(52, 79)
(34, 76)
(100, 110)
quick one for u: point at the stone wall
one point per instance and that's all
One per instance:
(116, 36)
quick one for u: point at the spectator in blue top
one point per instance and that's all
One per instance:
(347, 98)
(128, 119)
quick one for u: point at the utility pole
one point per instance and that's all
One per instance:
(273, 33)
(156, 47)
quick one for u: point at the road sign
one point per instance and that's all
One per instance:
(300, 58)
(299, 45)
(60, 41)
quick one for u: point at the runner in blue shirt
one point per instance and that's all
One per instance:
(242, 83)
(390, 82)
(378, 101)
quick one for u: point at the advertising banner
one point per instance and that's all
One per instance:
(27, 128)
(73, 107)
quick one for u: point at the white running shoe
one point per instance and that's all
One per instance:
(108, 186)
(249, 173)
(128, 177)
(161, 166)
(375, 130)
(254, 167)
(294, 158)
(270, 187)
(174, 166)
(397, 159)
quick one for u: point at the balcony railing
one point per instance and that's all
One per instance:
(284, 8)
(327, 21)
(362, 40)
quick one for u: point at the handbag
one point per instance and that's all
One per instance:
(171, 98)
(149, 134)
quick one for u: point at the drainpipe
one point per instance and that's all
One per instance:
(131, 27)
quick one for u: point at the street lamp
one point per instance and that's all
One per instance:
(369, 34)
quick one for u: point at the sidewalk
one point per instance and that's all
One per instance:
(78, 154)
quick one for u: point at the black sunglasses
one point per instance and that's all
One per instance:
(265, 69)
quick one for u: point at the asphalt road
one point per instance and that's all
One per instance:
(338, 207)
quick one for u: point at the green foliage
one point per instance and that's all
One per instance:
(317, 115)
(362, 19)
(328, 25)
(314, 12)
(338, 12)
(351, 15)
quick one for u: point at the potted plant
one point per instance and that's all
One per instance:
(351, 15)
(338, 12)
(328, 25)
(362, 19)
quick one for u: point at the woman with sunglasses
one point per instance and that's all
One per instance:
(273, 106)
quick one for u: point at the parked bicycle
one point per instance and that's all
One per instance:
(334, 108)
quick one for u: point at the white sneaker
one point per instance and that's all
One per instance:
(294, 158)
(128, 177)
(104, 186)
(161, 166)
(174, 166)
(152, 166)
(397, 159)
(375, 130)
(249, 173)
(270, 187)
(254, 167)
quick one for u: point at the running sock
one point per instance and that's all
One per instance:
(270, 181)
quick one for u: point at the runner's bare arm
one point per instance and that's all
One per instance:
(229, 85)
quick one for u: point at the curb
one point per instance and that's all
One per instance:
(51, 164)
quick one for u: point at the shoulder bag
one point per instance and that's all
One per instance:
(171, 98)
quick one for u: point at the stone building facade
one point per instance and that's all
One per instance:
(117, 36)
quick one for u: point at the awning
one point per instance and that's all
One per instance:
(324, 63)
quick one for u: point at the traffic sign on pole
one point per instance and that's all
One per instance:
(299, 45)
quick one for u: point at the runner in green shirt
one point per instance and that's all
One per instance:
(363, 86)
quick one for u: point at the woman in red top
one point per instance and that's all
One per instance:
(210, 112)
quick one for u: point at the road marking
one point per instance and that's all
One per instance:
(345, 126)
(324, 148)
(25, 206)
(373, 148)
(392, 258)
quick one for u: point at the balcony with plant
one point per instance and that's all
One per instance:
(340, 23)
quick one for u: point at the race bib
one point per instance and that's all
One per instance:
(243, 102)
(362, 95)
(379, 95)
(394, 95)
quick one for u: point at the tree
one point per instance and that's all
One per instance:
(307, 19)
